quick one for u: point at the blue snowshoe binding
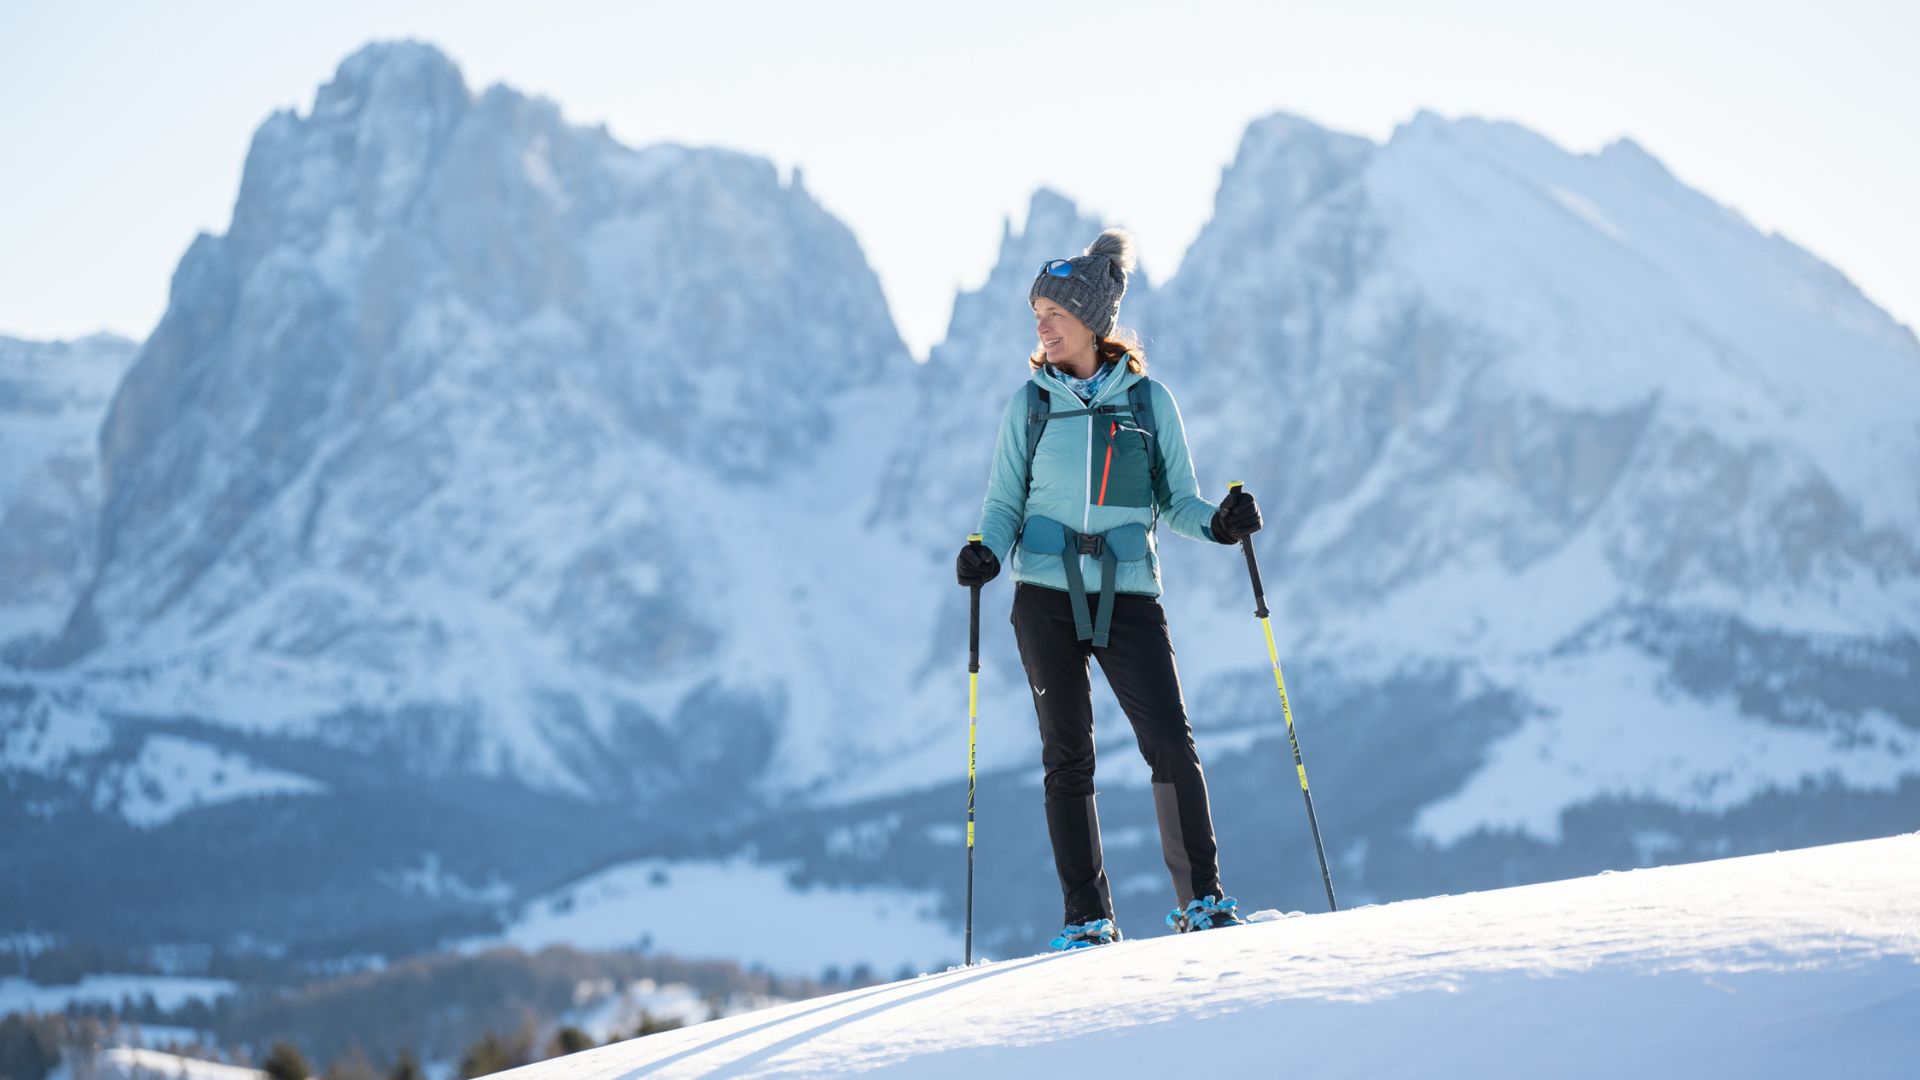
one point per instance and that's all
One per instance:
(1086, 935)
(1206, 913)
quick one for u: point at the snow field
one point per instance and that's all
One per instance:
(1793, 963)
(660, 902)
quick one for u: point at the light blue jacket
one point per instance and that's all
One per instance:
(1089, 474)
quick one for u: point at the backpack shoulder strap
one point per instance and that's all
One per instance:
(1140, 399)
(1039, 410)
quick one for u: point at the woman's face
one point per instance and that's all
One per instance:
(1061, 335)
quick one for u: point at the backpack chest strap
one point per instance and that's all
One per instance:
(1096, 410)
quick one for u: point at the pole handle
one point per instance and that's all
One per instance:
(973, 618)
(1253, 565)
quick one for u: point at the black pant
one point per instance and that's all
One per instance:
(1138, 662)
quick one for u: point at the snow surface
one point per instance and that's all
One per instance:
(658, 903)
(1792, 963)
(172, 775)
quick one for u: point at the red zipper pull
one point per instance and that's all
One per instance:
(1107, 468)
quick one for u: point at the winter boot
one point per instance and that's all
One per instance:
(1206, 913)
(1086, 935)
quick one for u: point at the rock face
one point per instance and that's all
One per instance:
(52, 397)
(497, 498)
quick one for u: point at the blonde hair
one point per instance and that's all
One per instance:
(1123, 342)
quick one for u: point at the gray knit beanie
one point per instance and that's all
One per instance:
(1090, 285)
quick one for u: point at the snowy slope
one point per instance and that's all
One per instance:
(644, 903)
(1795, 963)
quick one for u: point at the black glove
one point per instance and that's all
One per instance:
(1237, 518)
(977, 564)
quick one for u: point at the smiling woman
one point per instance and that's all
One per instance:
(1080, 501)
(1068, 342)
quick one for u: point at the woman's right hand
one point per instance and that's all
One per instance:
(1237, 518)
(977, 564)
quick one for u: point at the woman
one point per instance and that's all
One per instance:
(1090, 454)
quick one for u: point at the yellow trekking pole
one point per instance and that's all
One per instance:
(1286, 710)
(973, 728)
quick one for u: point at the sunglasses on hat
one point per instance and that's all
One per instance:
(1058, 267)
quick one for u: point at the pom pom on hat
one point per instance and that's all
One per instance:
(1117, 245)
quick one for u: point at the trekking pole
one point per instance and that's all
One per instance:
(973, 728)
(1286, 710)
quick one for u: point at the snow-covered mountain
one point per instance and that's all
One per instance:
(52, 397)
(462, 445)
(1573, 428)
(1804, 962)
(1486, 360)
(465, 522)
(497, 506)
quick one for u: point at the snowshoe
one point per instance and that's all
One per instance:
(1206, 913)
(1086, 935)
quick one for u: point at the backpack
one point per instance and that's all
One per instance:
(1139, 406)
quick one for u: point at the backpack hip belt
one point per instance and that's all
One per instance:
(1128, 543)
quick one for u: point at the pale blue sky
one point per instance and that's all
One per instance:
(123, 125)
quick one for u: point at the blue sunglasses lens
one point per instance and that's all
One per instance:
(1058, 268)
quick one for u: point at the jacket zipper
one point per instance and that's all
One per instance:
(1086, 515)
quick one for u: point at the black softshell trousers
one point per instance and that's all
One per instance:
(1138, 662)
